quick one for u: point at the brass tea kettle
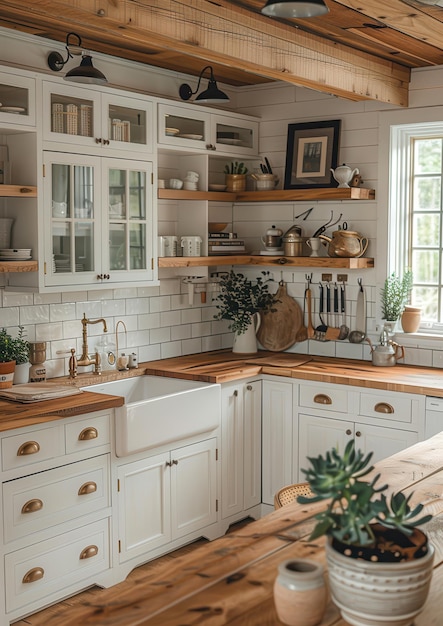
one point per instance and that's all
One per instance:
(345, 244)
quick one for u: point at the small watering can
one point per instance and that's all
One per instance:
(343, 174)
(387, 353)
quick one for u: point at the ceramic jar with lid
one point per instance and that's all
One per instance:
(293, 242)
(300, 592)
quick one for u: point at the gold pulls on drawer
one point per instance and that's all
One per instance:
(31, 506)
(30, 447)
(89, 552)
(322, 398)
(87, 488)
(34, 574)
(384, 407)
(88, 433)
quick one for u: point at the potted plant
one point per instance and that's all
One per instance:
(235, 174)
(13, 351)
(394, 296)
(241, 301)
(373, 545)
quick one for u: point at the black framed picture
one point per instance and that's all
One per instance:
(311, 153)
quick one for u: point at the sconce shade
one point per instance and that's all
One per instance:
(211, 95)
(294, 8)
(86, 73)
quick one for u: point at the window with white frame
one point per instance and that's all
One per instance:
(416, 215)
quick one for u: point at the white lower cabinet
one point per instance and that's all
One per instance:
(165, 497)
(277, 432)
(56, 512)
(241, 449)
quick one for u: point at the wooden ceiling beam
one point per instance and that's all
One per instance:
(230, 36)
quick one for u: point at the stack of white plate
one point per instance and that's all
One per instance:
(17, 254)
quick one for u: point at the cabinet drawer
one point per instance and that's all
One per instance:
(324, 398)
(92, 432)
(43, 500)
(32, 447)
(48, 568)
(394, 407)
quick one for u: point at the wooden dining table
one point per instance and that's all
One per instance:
(230, 580)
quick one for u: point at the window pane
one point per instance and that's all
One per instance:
(427, 156)
(428, 299)
(427, 193)
(425, 265)
(426, 230)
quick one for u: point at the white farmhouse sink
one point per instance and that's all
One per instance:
(160, 410)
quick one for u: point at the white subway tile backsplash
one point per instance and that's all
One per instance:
(171, 349)
(159, 335)
(9, 316)
(184, 331)
(190, 315)
(170, 318)
(50, 332)
(160, 303)
(150, 320)
(62, 312)
(191, 346)
(17, 299)
(36, 314)
(92, 310)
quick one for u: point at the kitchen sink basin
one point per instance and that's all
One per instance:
(160, 410)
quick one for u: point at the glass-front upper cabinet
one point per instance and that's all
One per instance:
(180, 126)
(98, 221)
(128, 239)
(97, 120)
(17, 99)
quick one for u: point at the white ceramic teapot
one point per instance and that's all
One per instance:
(343, 174)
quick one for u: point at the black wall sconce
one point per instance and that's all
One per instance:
(211, 95)
(294, 8)
(85, 72)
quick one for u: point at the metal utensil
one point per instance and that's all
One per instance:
(357, 335)
(268, 166)
(344, 329)
(322, 327)
(322, 229)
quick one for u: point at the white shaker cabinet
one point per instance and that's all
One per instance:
(241, 449)
(277, 437)
(98, 221)
(17, 97)
(166, 497)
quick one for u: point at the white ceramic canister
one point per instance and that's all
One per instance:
(161, 248)
(191, 245)
(300, 592)
(171, 243)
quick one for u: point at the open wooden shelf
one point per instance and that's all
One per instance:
(18, 266)
(292, 261)
(280, 195)
(15, 191)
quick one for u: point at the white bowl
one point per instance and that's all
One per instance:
(175, 183)
(212, 187)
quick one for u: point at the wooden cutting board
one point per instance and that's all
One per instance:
(278, 329)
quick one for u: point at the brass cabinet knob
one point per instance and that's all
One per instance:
(30, 447)
(86, 488)
(31, 506)
(88, 433)
(89, 552)
(34, 574)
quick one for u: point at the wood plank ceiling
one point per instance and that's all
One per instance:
(359, 50)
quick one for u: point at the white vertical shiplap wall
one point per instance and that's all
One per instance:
(160, 321)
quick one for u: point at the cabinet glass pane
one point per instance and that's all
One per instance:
(234, 135)
(117, 247)
(117, 194)
(83, 247)
(61, 247)
(137, 258)
(185, 127)
(137, 195)
(61, 190)
(71, 116)
(127, 124)
(76, 238)
(14, 100)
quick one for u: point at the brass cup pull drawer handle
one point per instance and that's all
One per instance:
(31, 506)
(34, 574)
(384, 407)
(29, 447)
(322, 398)
(89, 552)
(86, 488)
(88, 433)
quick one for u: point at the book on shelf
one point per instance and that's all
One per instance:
(222, 235)
(226, 242)
(226, 249)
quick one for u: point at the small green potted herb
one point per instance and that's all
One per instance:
(13, 351)
(395, 295)
(235, 175)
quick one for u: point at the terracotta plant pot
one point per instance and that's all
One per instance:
(6, 374)
(235, 182)
(410, 319)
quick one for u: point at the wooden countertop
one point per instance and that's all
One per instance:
(16, 415)
(223, 366)
(230, 580)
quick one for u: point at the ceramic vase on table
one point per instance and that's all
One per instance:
(246, 343)
(300, 592)
(410, 319)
